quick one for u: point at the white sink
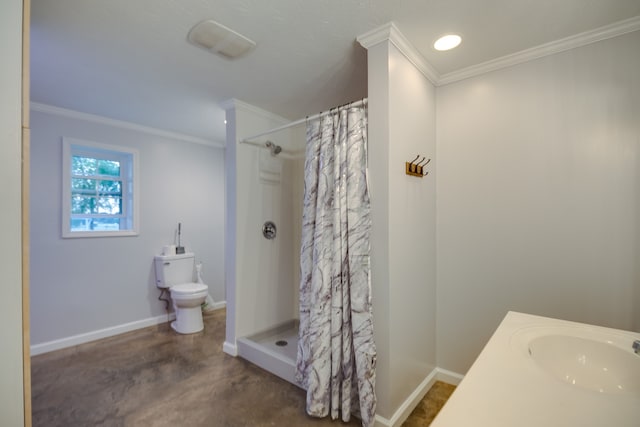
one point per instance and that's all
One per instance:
(595, 365)
(584, 357)
(537, 371)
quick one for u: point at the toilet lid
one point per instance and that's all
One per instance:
(188, 288)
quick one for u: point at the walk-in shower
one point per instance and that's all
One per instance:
(268, 274)
(263, 318)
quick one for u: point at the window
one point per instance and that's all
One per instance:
(99, 190)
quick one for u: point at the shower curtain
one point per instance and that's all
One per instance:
(336, 352)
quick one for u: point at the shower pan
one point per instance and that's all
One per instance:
(273, 350)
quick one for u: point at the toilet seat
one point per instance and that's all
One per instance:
(188, 288)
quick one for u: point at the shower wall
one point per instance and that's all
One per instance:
(262, 275)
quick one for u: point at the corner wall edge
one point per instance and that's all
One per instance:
(390, 32)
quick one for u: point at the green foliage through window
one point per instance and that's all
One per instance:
(99, 192)
(90, 166)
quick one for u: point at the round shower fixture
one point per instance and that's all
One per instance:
(269, 230)
(275, 149)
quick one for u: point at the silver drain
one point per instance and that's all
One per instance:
(281, 343)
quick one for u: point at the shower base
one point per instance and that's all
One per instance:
(274, 350)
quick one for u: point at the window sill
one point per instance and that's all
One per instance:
(84, 234)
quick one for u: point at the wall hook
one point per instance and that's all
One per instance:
(417, 169)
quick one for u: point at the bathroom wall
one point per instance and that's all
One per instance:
(539, 195)
(84, 285)
(262, 275)
(403, 258)
(11, 366)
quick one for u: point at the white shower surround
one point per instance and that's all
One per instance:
(262, 275)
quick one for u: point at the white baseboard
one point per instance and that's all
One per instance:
(230, 349)
(219, 305)
(71, 341)
(449, 377)
(215, 306)
(405, 409)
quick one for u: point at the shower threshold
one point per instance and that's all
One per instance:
(274, 350)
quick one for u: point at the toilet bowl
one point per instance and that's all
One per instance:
(187, 302)
(176, 273)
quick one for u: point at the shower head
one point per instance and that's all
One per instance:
(275, 149)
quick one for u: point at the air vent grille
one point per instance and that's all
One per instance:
(220, 40)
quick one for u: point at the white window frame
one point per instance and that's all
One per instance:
(130, 176)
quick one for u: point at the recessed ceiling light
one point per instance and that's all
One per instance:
(219, 39)
(447, 42)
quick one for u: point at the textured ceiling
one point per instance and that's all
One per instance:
(129, 60)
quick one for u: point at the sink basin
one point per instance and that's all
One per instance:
(595, 365)
(538, 371)
(586, 358)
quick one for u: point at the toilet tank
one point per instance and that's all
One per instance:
(174, 269)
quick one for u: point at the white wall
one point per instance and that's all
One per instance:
(11, 387)
(82, 285)
(401, 125)
(262, 285)
(539, 195)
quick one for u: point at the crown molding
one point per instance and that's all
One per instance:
(582, 39)
(390, 32)
(233, 103)
(73, 114)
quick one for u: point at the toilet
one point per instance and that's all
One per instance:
(175, 272)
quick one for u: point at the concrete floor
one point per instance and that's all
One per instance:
(430, 405)
(155, 377)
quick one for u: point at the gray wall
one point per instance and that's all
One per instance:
(539, 195)
(81, 285)
(403, 225)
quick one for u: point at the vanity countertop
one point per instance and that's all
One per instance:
(506, 387)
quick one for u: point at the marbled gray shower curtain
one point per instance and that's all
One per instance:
(336, 352)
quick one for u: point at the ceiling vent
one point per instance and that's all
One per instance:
(219, 39)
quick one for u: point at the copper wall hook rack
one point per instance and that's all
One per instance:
(416, 168)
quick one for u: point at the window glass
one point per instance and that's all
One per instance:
(99, 190)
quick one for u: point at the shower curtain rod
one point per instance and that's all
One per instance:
(358, 103)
